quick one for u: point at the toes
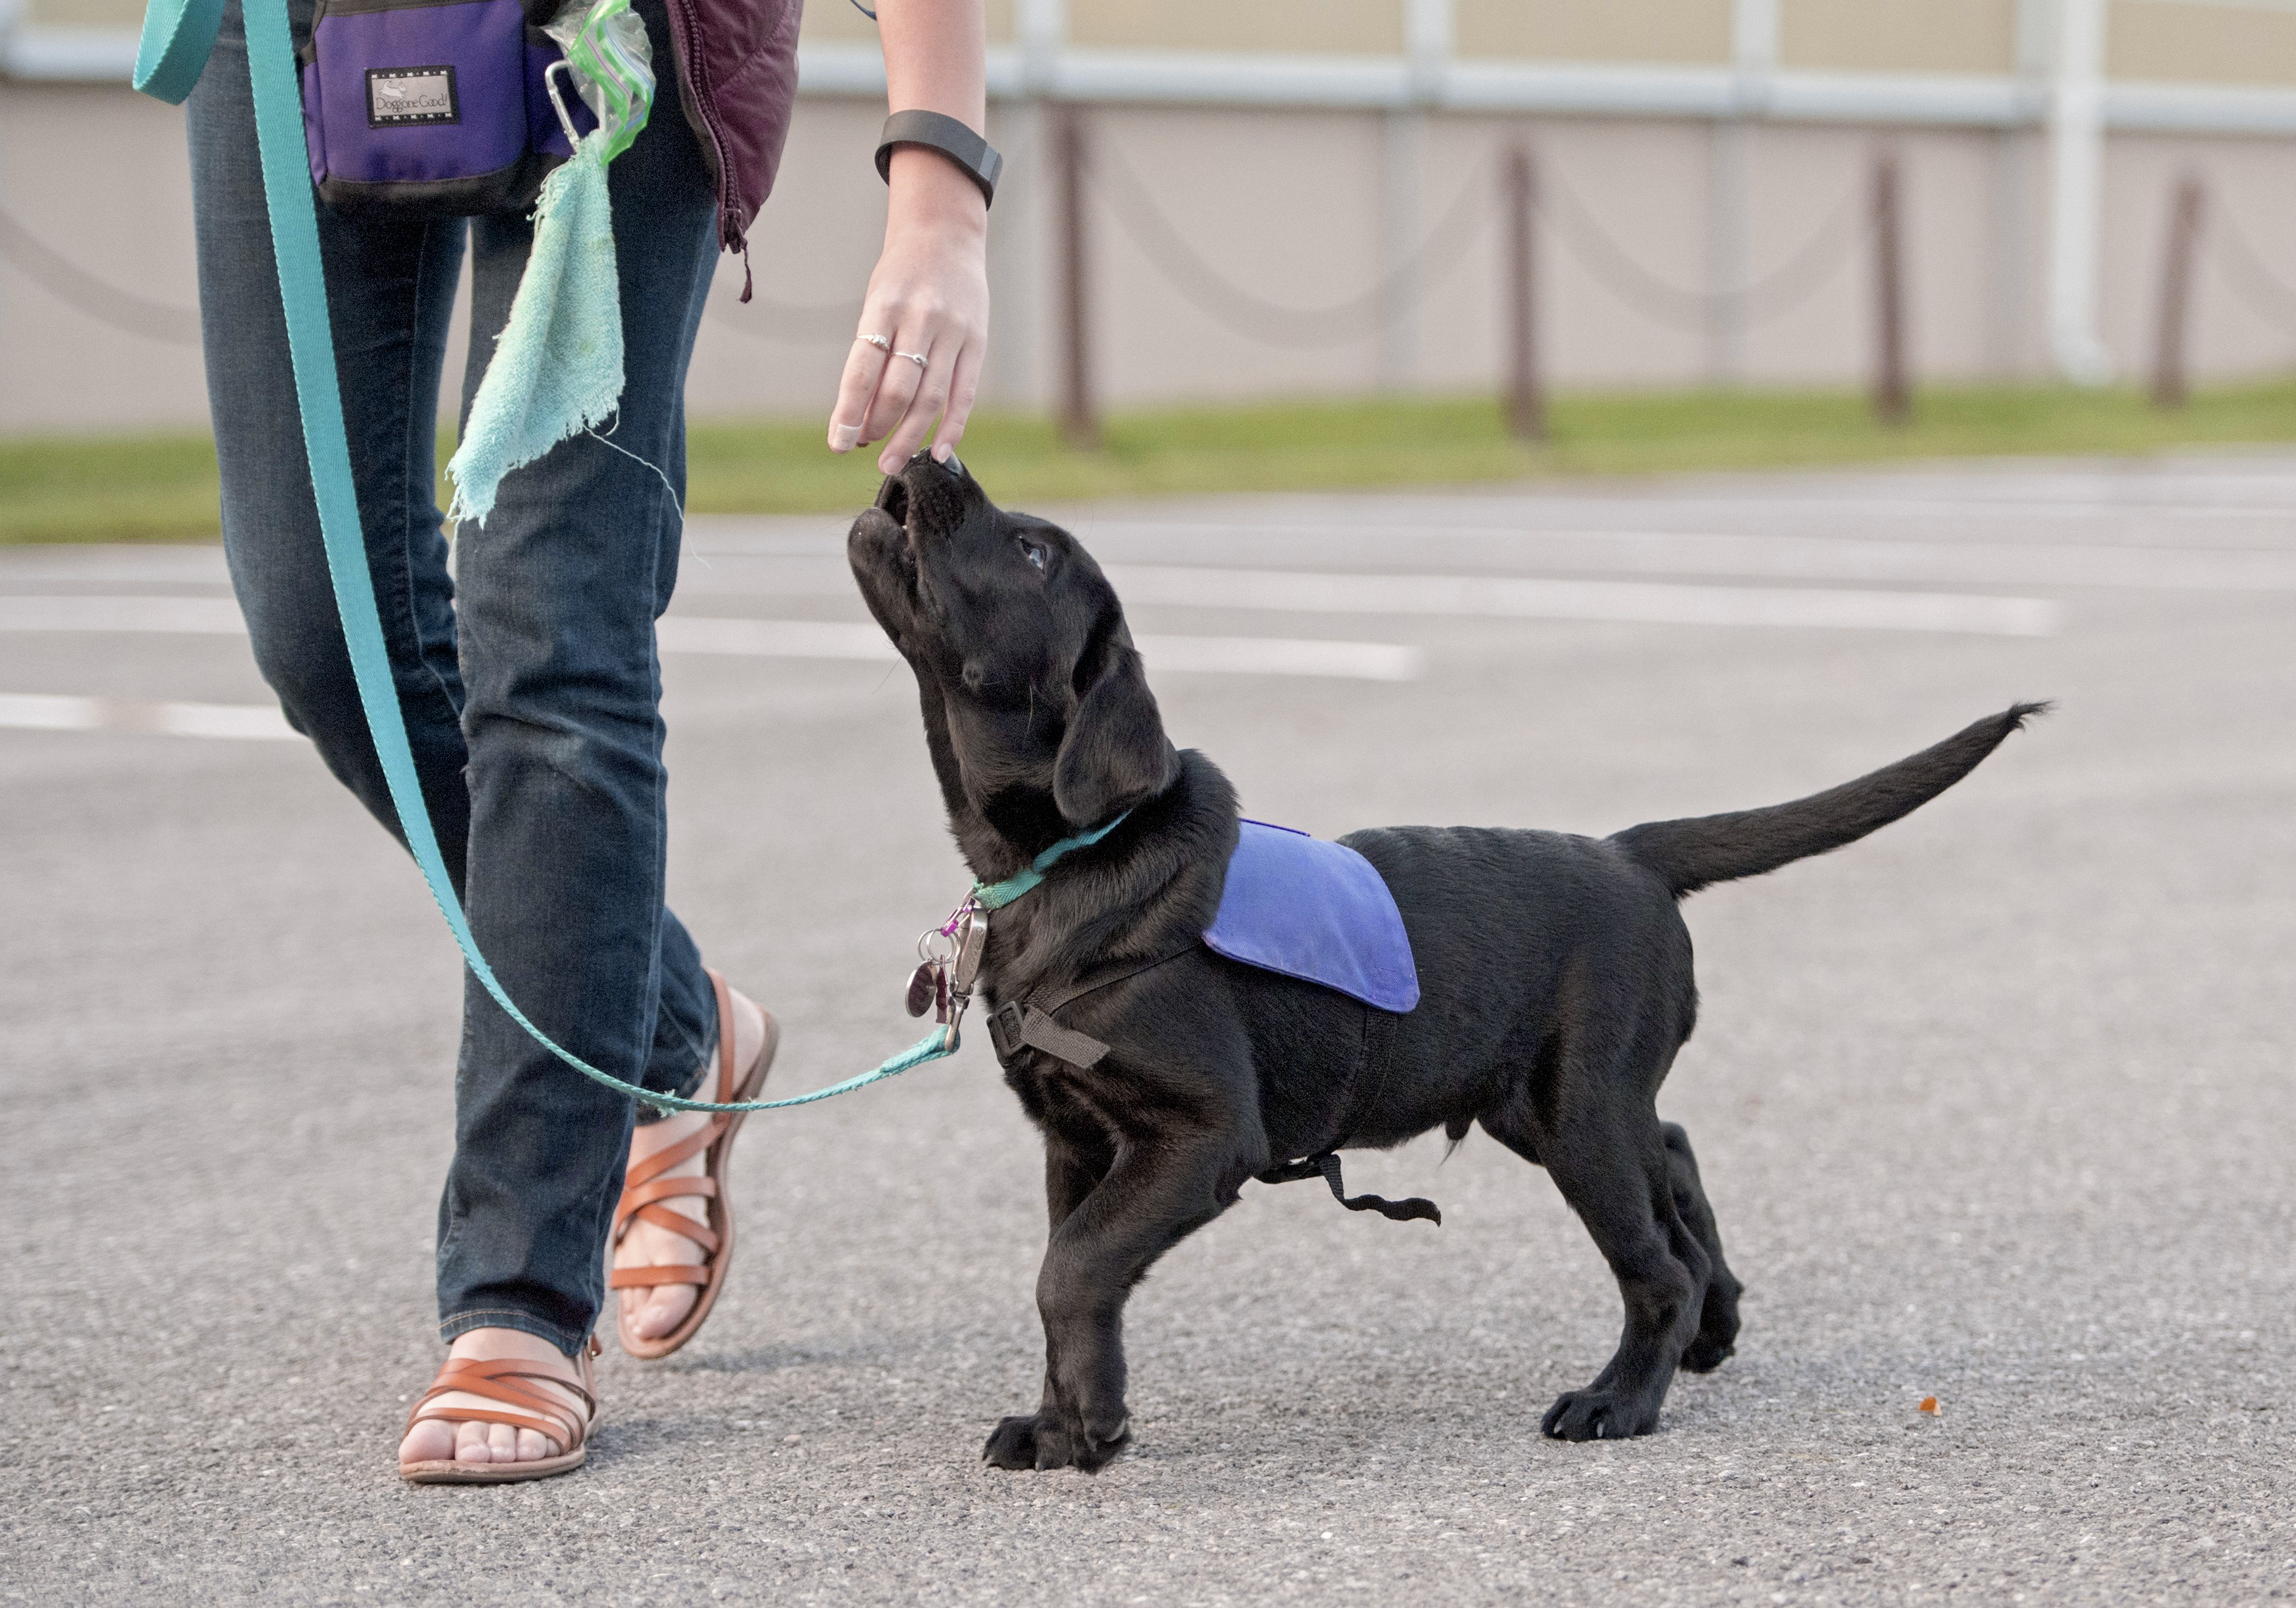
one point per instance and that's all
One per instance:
(431, 1440)
(533, 1445)
(664, 1312)
(1012, 1444)
(1596, 1416)
(1092, 1452)
(502, 1442)
(471, 1442)
(1056, 1447)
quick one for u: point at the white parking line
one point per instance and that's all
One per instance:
(49, 712)
(189, 616)
(1607, 554)
(1279, 591)
(771, 638)
(1214, 655)
(1282, 656)
(766, 638)
(1516, 598)
(1815, 558)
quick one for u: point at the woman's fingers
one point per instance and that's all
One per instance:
(965, 385)
(865, 365)
(934, 383)
(887, 394)
(897, 390)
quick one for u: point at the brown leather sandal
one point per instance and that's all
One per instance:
(525, 1406)
(644, 1189)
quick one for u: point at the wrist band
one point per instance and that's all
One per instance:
(979, 160)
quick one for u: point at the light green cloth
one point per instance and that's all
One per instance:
(557, 367)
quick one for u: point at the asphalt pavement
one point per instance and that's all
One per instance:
(1996, 1109)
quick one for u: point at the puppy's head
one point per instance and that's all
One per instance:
(1039, 715)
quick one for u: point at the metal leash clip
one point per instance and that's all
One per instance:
(948, 960)
(972, 943)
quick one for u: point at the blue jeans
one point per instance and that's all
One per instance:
(527, 675)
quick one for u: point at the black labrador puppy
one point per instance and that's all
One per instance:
(1556, 971)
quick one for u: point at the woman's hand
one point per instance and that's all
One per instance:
(928, 303)
(928, 297)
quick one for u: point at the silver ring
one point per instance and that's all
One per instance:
(916, 358)
(883, 343)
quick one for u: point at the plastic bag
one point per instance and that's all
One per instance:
(606, 46)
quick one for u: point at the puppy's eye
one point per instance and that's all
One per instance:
(1033, 551)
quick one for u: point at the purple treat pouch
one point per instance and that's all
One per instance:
(433, 108)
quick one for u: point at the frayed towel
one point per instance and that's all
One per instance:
(557, 367)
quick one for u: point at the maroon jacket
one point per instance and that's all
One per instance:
(737, 75)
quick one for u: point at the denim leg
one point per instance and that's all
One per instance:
(390, 288)
(560, 590)
(509, 1253)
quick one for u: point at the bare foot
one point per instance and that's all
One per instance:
(474, 1440)
(649, 1314)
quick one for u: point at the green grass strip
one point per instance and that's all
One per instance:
(163, 487)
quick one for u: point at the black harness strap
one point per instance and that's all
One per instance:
(1015, 1024)
(1028, 1021)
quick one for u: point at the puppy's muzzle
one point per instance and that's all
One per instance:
(926, 498)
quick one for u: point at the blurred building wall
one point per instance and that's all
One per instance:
(1260, 171)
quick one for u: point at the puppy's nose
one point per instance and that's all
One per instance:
(951, 467)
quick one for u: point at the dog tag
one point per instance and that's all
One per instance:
(941, 995)
(925, 984)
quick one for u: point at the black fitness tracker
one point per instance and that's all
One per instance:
(981, 163)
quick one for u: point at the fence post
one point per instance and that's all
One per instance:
(1892, 396)
(1080, 417)
(2168, 378)
(1525, 398)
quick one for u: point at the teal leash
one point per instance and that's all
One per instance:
(177, 36)
(995, 895)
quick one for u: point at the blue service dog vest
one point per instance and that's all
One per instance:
(1316, 911)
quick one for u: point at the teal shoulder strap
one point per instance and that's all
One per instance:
(185, 31)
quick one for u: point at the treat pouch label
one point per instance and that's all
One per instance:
(399, 97)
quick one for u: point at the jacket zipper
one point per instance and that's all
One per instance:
(729, 228)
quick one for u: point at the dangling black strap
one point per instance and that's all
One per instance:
(1326, 1167)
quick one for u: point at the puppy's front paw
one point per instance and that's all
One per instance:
(1043, 1441)
(1598, 1416)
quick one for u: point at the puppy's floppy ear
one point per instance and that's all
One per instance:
(1115, 752)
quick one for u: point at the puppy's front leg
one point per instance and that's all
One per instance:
(1151, 1199)
(1073, 1169)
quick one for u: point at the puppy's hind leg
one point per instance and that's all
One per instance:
(1602, 1145)
(1717, 1319)
(1619, 1186)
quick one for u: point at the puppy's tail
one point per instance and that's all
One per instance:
(1691, 854)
